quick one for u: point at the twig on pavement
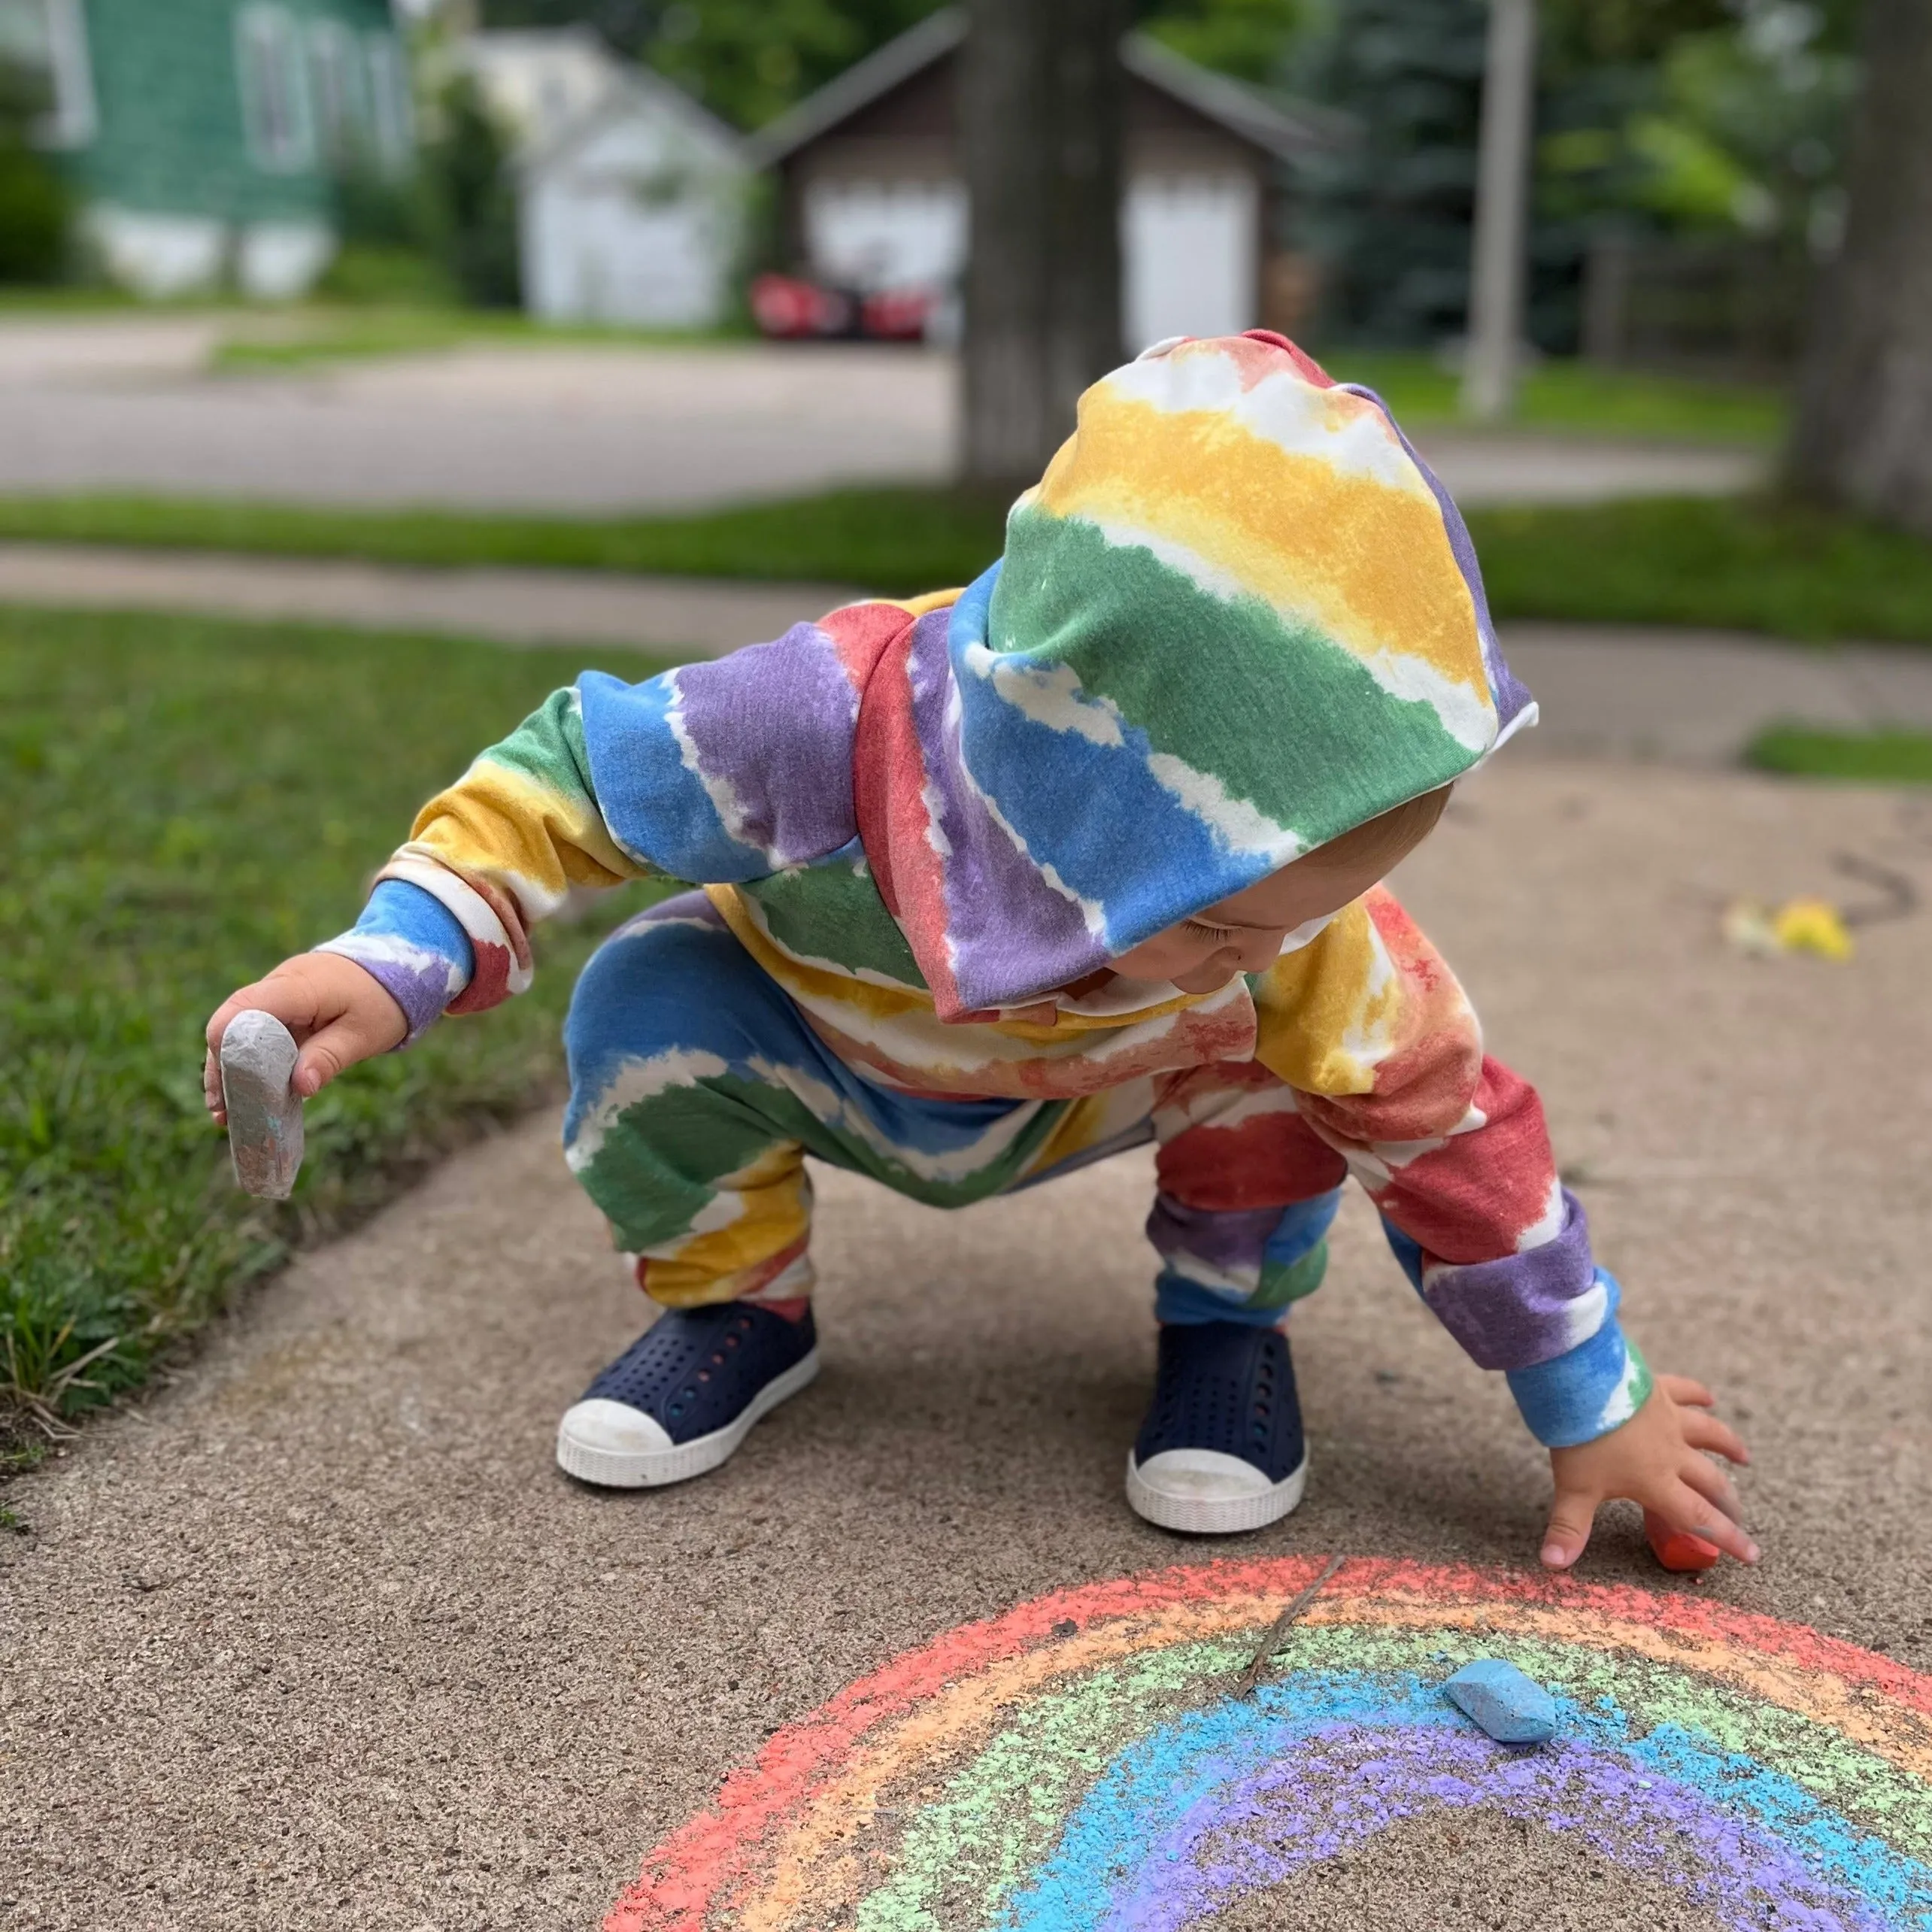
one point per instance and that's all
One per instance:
(1257, 1664)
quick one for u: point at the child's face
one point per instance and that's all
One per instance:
(1245, 932)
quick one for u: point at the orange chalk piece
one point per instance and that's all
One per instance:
(1678, 1549)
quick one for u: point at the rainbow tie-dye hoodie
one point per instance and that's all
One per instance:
(1237, 618)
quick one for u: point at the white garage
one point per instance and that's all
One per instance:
(635, 213)
(873, 200)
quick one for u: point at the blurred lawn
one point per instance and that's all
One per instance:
(1734, 564)
(889, 540)
(186, 804)
(1872, 757)
(302, 338)
(1726, 564)
(1578, 396)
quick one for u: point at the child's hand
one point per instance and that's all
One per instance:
(338, 1014)
(1656, 1459)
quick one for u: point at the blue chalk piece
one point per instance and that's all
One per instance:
(1513, 1708)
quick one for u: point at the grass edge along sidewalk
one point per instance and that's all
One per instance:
(1750, 564)
(1849, 757)
(188, 802)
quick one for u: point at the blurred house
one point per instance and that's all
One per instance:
(538, 81)
(631, 197)
(205, 137)
(872, 198)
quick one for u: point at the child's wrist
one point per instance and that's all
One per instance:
(1594, 1387)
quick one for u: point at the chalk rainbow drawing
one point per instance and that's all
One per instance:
(1080, 1762)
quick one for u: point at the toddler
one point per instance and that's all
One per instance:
(996, 882)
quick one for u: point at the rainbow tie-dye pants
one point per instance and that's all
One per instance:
(697, 1089)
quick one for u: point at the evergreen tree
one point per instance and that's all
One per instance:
(1390, 214)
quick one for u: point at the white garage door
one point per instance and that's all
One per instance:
(600, 253)
(1189, 244)
(886, 234)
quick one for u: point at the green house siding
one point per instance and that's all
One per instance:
(171, 136)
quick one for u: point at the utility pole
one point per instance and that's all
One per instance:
(1498, 258)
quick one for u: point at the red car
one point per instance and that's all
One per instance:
(790, 309)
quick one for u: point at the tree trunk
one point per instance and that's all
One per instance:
(1863, 435)
(1040, 100)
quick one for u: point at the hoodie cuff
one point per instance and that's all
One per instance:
(410, 942)
(1593, 1388)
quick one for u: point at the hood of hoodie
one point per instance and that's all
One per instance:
(1237, 618)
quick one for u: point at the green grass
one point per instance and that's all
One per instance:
(1726, 564)
(881, 539)
(1580, 397)
(185, 803)
(306, 337)
(1867, 757)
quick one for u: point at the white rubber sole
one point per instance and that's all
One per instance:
(579, 1454)
(1203, 1493)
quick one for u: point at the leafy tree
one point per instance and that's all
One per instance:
(1664, 114)
(1249, 39)
(1732, 119)
(469, 199)
(749, 60)
(33, 202)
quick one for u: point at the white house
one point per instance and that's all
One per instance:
(631, 197)
(538, 83)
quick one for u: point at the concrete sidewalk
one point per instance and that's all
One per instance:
(318, 1636)
(1695, 696)
(694, 615)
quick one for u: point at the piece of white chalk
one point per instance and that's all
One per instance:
(1512, 1708)
(258, 1056)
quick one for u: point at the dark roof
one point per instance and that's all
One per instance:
(860, 85)
(1242, 110)
(1284, 132)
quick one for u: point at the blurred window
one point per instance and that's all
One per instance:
(340, 86)
(44, 68)
(275, 109)
(392, 113)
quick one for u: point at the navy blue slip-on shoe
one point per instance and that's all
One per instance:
(685, 1394)
(1221, 1448)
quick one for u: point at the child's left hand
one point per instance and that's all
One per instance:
(1656, 1459)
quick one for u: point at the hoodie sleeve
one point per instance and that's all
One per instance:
(1372, 1028)
(714, 773)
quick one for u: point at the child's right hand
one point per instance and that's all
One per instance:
(338, 1013)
